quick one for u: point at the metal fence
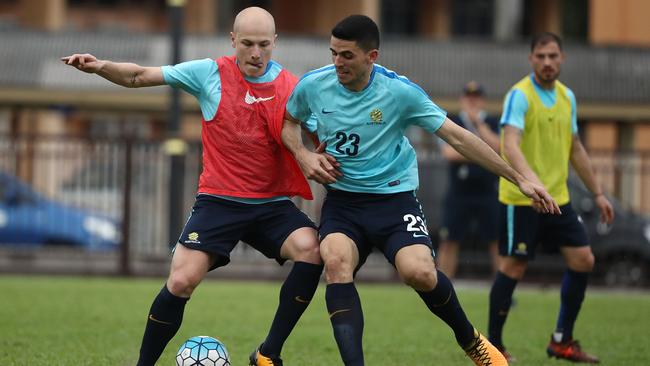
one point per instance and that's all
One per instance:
(90, 177)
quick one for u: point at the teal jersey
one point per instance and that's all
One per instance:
(364, 130)
(201, 79)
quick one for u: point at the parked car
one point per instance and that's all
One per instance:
(622, 250)
(27, 218)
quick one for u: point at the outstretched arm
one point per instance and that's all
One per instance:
(582, 164)
(484, 132)
(512, 152)
(125, 74)
(476, 150)
(318, 165)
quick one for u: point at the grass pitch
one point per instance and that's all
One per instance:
(97, 321)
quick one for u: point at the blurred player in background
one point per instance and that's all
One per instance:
(470, 206)
(246, 181)
(540, 138)
(361, 111)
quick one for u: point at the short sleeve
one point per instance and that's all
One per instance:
(189, 76)
(297, 105)
(515, 106)
(420, 110)
(311, 124)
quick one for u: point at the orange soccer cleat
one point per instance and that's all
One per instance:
(258, 359)
(569, 350)
(483, 353)
(508, 356)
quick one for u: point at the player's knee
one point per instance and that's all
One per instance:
(420, 278)
(583, 263)
(182, 284)
(302, 246)
(311, 255)
(513, 268)
(590, 262)
(307, 250)
(338, 268)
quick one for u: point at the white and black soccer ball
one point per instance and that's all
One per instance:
(202, 351)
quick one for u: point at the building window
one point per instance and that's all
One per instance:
(575, 20)
(399, 17)
(472, 18)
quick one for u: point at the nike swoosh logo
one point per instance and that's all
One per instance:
(326, 112)
(339, 311)
(158, 321)
(249, 99)
(300, 299)
(415, 235)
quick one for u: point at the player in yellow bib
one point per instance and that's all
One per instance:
(539, 138)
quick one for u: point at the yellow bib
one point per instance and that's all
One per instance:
(545, 142)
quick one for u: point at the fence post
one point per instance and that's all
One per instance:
(125, 248)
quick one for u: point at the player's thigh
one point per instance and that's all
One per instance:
(281, 231)
(565, 231)
(343, 219)
(215, 226)
(518, 235)
(302, 246)
(399, 223)
(579, 259)
(415, 266)
(188, 267)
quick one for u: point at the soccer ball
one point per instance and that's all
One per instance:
(202, 351)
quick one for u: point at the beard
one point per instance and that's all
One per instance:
(548, 75)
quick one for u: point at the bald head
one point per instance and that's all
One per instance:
(253, 37)
(254, 20)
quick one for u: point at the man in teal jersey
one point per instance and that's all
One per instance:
(244, 204)
(360, 112)
(540, 138)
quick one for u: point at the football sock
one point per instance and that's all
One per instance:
(344, 307)
(500, 301)
(574, 285)
(443, 302)
(165, 318)
(295, 295)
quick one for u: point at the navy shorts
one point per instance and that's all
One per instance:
(470, 215)
(388, 222)
(523, 229)
(216, 225)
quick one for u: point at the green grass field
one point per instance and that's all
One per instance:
(97, 321)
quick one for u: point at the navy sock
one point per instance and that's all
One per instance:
(500, 301)
(164, 320)
(344, 307)
(574, 285)
(295, 295)
(443, 302)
